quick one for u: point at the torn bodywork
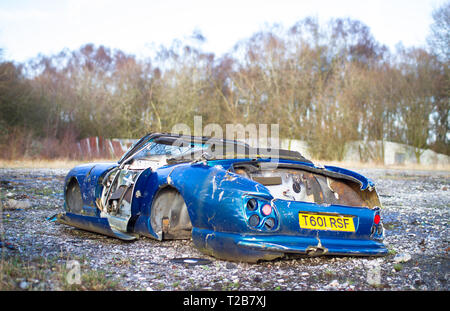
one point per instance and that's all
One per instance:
(238, 208)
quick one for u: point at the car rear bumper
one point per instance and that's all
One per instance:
(317, 246)
(251, 248)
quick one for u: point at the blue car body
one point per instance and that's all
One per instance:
(232, 208)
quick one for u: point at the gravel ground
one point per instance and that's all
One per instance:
(415, 215)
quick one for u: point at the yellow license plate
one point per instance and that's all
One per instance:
(326, 222)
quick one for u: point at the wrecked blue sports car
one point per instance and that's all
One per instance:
(243, 205)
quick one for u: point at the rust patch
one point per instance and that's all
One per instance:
(347, 194)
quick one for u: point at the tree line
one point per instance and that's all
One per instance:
(326, 84)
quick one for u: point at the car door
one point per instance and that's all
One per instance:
(117, 196)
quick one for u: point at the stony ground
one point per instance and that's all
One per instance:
(38, 254)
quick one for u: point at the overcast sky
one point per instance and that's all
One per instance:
(30, 27)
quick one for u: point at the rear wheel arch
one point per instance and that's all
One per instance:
(169, 217)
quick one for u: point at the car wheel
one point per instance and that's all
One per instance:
(169, 216)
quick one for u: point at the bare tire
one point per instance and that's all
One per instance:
(169, 216)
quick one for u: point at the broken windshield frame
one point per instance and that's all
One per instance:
(167, 149)
(158, 146)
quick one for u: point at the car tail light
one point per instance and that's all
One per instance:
(270, 223)
(266, 209)
(252, 204)
(376, 219)
(254, 220)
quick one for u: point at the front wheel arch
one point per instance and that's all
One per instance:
(73, 199)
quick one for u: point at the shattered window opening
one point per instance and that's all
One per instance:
(166, 148)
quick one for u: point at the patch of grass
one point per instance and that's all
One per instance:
(92, 280)
(380, 286)
(120, 261)
(192, 281)
(45, 191)
(329, 274)
(350, 282)
(158, 276)
(398, 267)
(392, 251)
(49, 274)
(160, 286)
(14, 271)
(176, 284)
(230, 286)
(377, 286)
(391, 225)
